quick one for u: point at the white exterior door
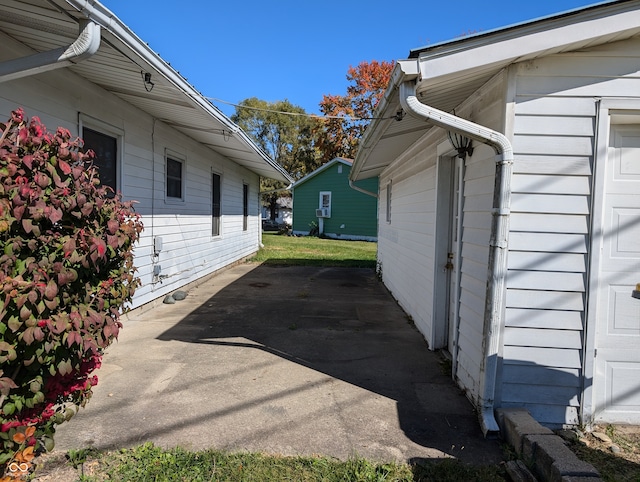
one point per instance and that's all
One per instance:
(616, 381)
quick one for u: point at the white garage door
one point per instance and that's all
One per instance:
(617, 363)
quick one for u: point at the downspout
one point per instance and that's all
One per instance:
(363, 191)
(87, 44)
(498, 245)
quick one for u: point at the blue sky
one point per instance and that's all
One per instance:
(301, 49)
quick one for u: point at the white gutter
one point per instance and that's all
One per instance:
(96, 12)
(498, 244)
(288, 188)
(363, 191)
(85, 46)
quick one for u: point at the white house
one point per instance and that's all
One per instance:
(195, 174)
(521, 257)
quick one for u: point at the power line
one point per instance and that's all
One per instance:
(299, 114)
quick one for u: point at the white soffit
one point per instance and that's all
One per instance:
(117, 67)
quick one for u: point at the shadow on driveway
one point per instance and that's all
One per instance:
(288, 360)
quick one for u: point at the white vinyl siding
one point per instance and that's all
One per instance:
(550, 221)
(189, 251)
(406, 245)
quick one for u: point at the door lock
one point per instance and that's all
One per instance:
(449, 264)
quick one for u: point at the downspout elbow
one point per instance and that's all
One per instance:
(363, 191)
(86, 45)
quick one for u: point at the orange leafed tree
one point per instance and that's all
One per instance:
(339, 137)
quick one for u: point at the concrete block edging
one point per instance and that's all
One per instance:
(545, 452)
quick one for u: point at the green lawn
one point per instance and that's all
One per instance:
(312, 251)
(147, 462)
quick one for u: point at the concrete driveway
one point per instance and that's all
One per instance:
(286, 360)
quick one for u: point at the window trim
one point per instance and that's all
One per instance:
(105, 128)
(219, 217)
(245, 206)
(171, 155)
(388, 202)
(321, 204)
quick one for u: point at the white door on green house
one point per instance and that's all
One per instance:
(617, 357)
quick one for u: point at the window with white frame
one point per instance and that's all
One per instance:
(174, 178)
(325, 203)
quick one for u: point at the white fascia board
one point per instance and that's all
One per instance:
(402, 71)
(322, 168)
(526, 42)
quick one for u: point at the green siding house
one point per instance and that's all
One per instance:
(324, 199)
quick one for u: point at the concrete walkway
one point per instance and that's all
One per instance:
(286, 360)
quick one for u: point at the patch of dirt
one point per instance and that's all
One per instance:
(54, 467)
(613, 450)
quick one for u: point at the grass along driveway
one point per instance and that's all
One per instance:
(312, 251)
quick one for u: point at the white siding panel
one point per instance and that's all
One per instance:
(552, 145)
(548, 203)
(479, 170)
(472, 308)
(540, 261)
(554, 106)
(550, 357)
(406, 245)
(476, 236)
(545, 280)
(549, 223)
(554, 126)
(529, 374)
(539, 394)
(477, 220)
(479, 187)
(548, 242)
(542, 338)
(550, 184)
(477, 253)
(548, 414)
(580, 87)
(545, 300)
(475, 269)
(552, 164)
(546, 319)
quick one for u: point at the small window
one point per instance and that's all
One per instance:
(215, 205)
(389, 202)
(174, 178)
(325, 200)
(106, 159)
(245, 207)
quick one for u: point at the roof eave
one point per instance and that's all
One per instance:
(322, 168)
(101, 15)
(435, 67)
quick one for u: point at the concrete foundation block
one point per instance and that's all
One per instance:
(516, 423)
(553, 460)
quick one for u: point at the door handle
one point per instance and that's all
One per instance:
(449, 264)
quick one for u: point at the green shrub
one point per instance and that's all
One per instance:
(66, 274)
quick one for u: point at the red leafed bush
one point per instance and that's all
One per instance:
(66, 275)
